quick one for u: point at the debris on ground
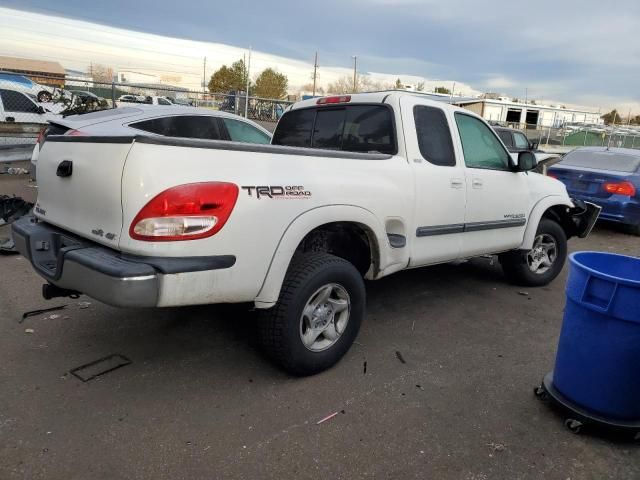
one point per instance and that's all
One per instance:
(40, 312)
(524, 294)
(12, 208)
(7, 246)
(84, 304)
(400, 357)
(15, 171)
(99, 367)
(29, 330)
(419, 386)
(496, 447)
(329, 417)
(364, 368)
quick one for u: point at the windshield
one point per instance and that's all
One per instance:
(614, 161)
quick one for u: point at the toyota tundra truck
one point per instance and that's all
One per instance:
(353, 187)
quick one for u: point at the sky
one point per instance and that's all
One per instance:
(582, 52)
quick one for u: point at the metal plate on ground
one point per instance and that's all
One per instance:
(99, 367)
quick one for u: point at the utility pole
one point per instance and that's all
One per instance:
(246, 102)
(355, 70)
(204, 75)
(453, 89)
(526, 94)
(315, 74)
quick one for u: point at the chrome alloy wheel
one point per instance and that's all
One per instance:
(325, 317)
(543, 254)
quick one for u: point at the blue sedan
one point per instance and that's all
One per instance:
(609, 177)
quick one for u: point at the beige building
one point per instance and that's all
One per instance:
(40, 71)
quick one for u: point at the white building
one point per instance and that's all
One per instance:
(506, 111)
(125, 76)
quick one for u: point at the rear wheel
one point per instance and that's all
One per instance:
(318, 314)
(541, 264)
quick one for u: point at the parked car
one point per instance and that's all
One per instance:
(608, 177)
(130, 98)
(167, 121)
(517, 142)
(20, 83)
(19, 107)
(353, 187)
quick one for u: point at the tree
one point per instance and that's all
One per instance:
(399, 85)
(444, 90)
(364, 83)
(271, 84)
(226, 79)
(100, 73)
(420, 87)
(612, 117)
(309, 88)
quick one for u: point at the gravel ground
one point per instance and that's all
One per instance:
(199, 401)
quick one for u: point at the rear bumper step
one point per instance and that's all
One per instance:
(72, 263)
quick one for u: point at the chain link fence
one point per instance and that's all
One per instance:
(570, 136)
(25, 106)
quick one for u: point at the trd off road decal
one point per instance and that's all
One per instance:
(277, 191)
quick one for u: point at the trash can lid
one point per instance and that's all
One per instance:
(610, 266)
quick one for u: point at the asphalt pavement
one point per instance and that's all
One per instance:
(199, 401)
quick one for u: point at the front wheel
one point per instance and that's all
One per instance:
(318, 314)
(541, 264)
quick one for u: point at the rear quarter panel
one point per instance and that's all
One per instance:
(256, 225)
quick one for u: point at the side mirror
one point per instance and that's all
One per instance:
(526, 161)
(41, 110)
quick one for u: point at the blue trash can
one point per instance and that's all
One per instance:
(598, 361)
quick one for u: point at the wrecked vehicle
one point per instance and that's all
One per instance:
(353, 187)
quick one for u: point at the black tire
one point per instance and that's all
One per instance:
(515, 266)
(44, 96)
(279, 326)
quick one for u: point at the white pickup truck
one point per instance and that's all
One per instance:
(353, 187)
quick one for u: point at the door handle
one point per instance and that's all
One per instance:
(476, 183)
(456, 183)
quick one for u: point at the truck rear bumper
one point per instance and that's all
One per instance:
(74, 263)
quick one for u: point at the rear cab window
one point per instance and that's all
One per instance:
(352, 128)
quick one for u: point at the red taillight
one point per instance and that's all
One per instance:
(41, 136)
(76, 133)
(552, 175)
(622, 188)
(185, 212)
(338, 99)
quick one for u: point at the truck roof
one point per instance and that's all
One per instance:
(377, 97)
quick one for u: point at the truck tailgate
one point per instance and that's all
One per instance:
(79, 187)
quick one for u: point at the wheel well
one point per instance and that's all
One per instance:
(349, 240)
(561, 215)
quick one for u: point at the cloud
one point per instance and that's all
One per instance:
(572, 51)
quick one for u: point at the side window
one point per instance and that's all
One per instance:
(294, 128)
(17, 102)
(506, 138)
(243, 132)
(434, 136)
(162, 101)
(185, 126)
(520, 140)
(480, 145)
